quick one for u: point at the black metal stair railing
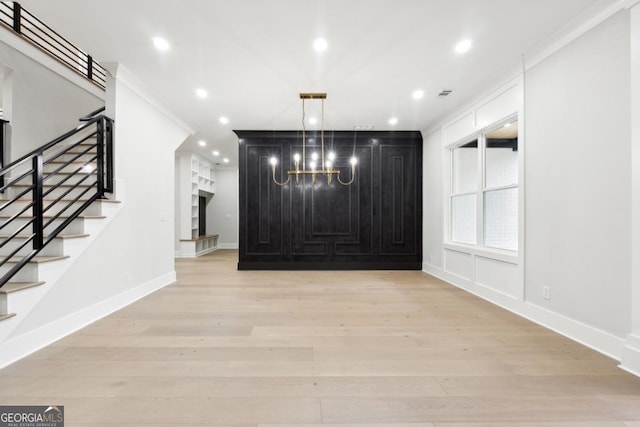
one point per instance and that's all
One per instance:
(23, 23)
(46, 190)
(4, 125)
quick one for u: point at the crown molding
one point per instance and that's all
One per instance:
(593, 16)
(628, 4)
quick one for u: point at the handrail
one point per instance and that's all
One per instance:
(68, 173)
(92, 114)
(55, 141)
(26, 25)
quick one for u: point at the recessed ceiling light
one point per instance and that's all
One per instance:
(161, 44)
(223, 120)
(507, 125)
(201, 93)
(393, 121)
(225, 160)
(313, 120)
(463, 46)
(202, 143)
(320, 45)
(418, 94)
(215, 152)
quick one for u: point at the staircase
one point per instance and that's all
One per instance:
(52, 204)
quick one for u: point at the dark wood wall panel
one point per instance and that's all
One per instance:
(374, 223)
(398, 228)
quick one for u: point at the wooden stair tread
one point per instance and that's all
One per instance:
(6, 316)
(51, 216)
(70, 200)
(10, 287)
(38, 259)
(59, 236)
(55, 185)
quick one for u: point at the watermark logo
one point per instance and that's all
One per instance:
(32, 416)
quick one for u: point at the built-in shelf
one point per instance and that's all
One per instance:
(197, 179)
(198, 246)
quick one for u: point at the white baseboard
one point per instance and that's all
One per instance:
(21, 346)
(227, 246)
(630, 360)
(589, 336)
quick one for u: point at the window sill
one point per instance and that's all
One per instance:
(510, 257)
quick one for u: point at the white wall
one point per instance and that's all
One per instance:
(432, 210)
(222, 210)
(631, 353)
(578, 178)
(41, 103)
(136, 253)
(575, 124)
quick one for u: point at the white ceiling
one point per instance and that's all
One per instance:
(255, 56)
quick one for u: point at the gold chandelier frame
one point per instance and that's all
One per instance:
(326, 167)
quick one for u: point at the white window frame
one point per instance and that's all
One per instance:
(479, 248)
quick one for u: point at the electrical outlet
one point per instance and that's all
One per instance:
(546, 292)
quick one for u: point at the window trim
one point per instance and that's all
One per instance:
(479, 248)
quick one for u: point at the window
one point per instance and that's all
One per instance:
(465, 189)
(484, 196)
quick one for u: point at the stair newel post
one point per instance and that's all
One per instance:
(38, 220)
(100, 161)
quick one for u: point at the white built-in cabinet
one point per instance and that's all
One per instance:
(196, 177)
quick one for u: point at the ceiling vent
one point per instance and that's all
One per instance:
(445, 92)
(363, 127)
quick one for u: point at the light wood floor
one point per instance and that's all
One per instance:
(360, 349)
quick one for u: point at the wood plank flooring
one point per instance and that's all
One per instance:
(223, 347)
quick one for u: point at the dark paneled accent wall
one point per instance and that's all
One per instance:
(375, 223)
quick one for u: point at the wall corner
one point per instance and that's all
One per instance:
(630, 356)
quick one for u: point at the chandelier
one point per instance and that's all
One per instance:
(324, 167)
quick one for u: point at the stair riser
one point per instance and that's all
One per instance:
(19, 205)
(70, 168)
(29, 273)
(76, 226)
(33, 272)
(54, 248)
(49, 168)
(22, 300)
(70, 179)
(60, 192)
(54, 194)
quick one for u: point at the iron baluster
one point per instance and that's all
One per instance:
(38, 220)
(100, 160)
(17, 17)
